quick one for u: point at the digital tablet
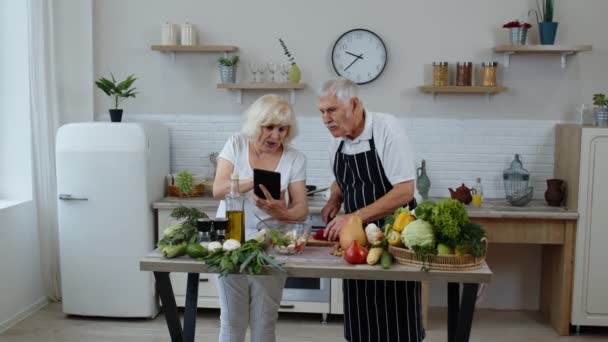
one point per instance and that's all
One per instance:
(270, 179)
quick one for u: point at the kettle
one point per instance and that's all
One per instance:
(462, 194)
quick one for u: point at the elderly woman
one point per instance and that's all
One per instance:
(269, 125)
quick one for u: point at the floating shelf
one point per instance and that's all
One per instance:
(239, 87)
(563, 50)
(488, 91)
(194, 48)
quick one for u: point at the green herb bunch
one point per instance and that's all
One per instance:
(189, 215)
(286, 51)
(185, 182)
(118, 90)
(228, 61)
(250, 258)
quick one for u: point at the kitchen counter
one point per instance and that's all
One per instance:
(491, 208)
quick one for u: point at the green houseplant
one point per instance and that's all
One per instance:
(228, 67)
(547, 28)
(601, 109)
(119, 91)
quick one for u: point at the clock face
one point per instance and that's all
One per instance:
(359, 55)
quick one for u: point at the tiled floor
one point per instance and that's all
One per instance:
(51, 325)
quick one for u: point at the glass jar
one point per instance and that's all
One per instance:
(440, 74)
(488, 74)
(464, 73)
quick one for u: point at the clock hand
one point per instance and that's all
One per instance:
(353, 62)
(352, 54)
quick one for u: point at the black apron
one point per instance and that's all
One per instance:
(374, 310)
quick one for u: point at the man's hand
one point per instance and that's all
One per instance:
(274, 208)
(333, 229)
(330, 210)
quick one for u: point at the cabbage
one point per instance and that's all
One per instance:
(418, 233)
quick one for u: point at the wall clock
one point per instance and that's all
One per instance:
(359, 55)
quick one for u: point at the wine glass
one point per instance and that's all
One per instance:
(254, 68)
(284, 71)
(272, 69)
(262, 68)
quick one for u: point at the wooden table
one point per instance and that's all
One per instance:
(317, 262)
(552, 227)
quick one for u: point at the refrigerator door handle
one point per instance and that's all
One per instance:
(68, 197)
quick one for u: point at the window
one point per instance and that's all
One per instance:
(15, 139)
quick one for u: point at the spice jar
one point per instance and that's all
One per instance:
(488, 74)
(440, 74)
(464, 73)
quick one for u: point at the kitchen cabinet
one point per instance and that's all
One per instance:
(208, 296)
(582, 161)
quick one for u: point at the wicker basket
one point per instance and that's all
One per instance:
(198, 189)
(407, 257)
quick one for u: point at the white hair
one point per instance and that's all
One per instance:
(268, 110)
(343, 88)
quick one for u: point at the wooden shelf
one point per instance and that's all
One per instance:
(262, 86)
(194, 48)
(563, 50)
(239, 87)
(488, 91)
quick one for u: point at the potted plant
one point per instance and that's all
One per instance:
(294, 74)
(547, 28)
(228, 67)
(519, 31)
(119, 90)
(601, 109)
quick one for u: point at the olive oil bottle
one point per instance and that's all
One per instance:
(235, 212)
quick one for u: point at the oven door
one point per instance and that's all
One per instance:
(307, 290)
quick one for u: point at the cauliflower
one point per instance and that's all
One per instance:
(418, 233)
(214, 245)
(231, 244)
(373, 233)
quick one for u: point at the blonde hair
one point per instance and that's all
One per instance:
(268, 110)
(343, 88)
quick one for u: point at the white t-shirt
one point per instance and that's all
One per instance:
(292, 167)
(392, 146)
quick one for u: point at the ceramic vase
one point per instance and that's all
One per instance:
(294, 74)
(423, 183)
(555, 192)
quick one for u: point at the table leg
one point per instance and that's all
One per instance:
(165, 291)
(424, 303)
(453, 309)
(191, 306)
(467, 308)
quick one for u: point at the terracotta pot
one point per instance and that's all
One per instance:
(555, 192)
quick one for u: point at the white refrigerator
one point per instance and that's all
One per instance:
(108, 175)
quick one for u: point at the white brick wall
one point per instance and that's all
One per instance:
(456, 151)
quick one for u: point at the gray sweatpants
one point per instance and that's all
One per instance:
(253, 301)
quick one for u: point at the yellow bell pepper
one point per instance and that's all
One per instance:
(402, 220)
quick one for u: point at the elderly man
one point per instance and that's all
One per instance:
(374, 174)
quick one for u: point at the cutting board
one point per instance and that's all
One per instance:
(321, 243)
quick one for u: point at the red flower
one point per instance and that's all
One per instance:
(516, 23)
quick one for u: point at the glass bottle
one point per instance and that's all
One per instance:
(477, 193)
(235, 211)
(204, 231)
